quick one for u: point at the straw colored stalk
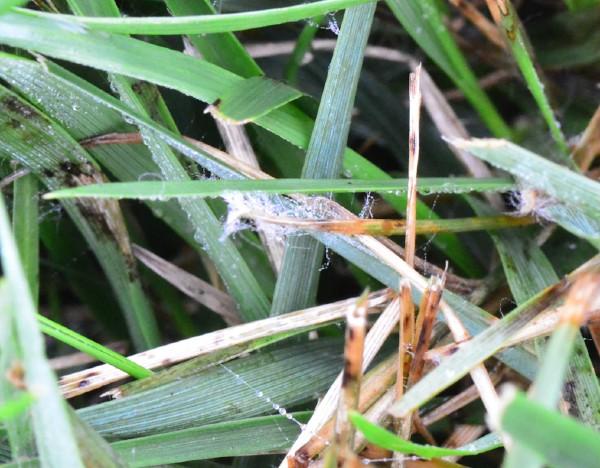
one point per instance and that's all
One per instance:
(414, 91)
(588, 146)
(356, 323)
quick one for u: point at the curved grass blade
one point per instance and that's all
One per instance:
(379, 436)
(254, 436)
(153, 190)
(53, 432)
(62, 162)
(204, 24)
(222, 49)
(506, 17)
(91, 348)
(325, 154)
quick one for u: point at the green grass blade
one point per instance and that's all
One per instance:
(204, 24)
(309, 31)
(26, 228)
(560, 441)
(153, 190)
(90, 347)
(10, 409)
(423, 20)
(54, 435)
(385, 439)
(252, 98)
(223, 49)
(324, 156)
(63, 162)
(546, 389)
(286, 376)
(519, 44)
(567, 197)
(255, 436)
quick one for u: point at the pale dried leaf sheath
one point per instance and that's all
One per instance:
(413, 163)
(199, 290)
(87, 380)
(356, 323)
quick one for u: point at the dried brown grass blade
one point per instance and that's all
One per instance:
(356, 323)
(478, 19)
(407, 332)
(588, 146)
(192, 286)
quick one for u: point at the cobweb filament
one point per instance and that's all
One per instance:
(280, 409)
